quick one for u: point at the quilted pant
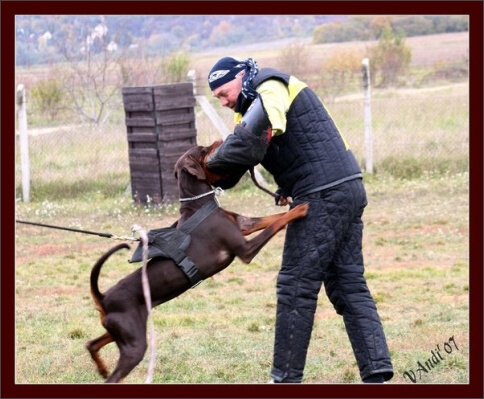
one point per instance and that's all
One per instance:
(326, 247)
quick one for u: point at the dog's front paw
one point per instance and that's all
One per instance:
(301, 209)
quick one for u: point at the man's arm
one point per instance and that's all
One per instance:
(247, 146)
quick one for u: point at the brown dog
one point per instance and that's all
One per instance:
(215, 242)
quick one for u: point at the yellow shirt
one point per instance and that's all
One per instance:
(277, 98)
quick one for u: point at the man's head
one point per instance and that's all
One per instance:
(225, 80)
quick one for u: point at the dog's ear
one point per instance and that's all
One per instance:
(193, 167)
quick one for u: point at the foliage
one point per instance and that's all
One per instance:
(140, 70)
(162, 34)
(339, 72)
(390, 58)
(293, 59)
(48, 97)
(338, 32)
(176, 67)
(447, 71)
(145, 70)
(371, 27)
(155, 34)
(90, 74)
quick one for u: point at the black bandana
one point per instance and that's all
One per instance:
(227, 68)
(251, 70)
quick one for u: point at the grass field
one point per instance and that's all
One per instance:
(417, 261)
(416, 247)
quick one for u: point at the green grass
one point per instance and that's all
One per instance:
(416, 248)
(417, 266)
(413, 134)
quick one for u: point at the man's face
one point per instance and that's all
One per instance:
(229, 92)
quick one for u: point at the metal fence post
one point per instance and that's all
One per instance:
(24, 142)
(367, 113)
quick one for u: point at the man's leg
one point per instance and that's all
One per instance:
(298, 284)
(348, 291)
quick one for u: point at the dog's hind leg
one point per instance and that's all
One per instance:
(94, 347)
(129, 357)
(130, 335)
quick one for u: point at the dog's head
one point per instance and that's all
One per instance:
(193, 162)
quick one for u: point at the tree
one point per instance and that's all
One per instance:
(340, 72)
(390, 58)
(90, 73)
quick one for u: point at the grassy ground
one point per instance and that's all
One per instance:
(416, 247)
(417, 261)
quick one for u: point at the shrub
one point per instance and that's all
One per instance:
(176, 67)
(390, 57)
(340, 72)
(47, 97)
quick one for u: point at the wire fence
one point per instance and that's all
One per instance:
(413, 131)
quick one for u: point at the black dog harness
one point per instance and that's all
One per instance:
(170, 242)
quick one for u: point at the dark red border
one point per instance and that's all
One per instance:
(10, 8)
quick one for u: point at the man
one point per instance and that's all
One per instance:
(282, 124)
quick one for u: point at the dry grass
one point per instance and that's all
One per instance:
(417, 261)
(416, 248)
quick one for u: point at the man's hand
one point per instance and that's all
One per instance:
(281, 200)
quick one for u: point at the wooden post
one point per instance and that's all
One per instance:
(367, 112)
(213, 116)
(24, 142)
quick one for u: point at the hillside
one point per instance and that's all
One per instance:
(446, 47)
(44, 39)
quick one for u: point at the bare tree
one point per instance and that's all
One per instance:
(90, 72)
(94, 68)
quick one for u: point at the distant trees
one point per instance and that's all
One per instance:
(389, 61)
(363, 27)
(91, 58)
(355, 28)
(157, 34)
(92, 68)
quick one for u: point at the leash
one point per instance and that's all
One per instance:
(254, 179)
(106, 235)
(147, 295)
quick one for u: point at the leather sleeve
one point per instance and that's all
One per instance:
(247, 146)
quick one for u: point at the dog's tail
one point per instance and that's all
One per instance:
(96, 270)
